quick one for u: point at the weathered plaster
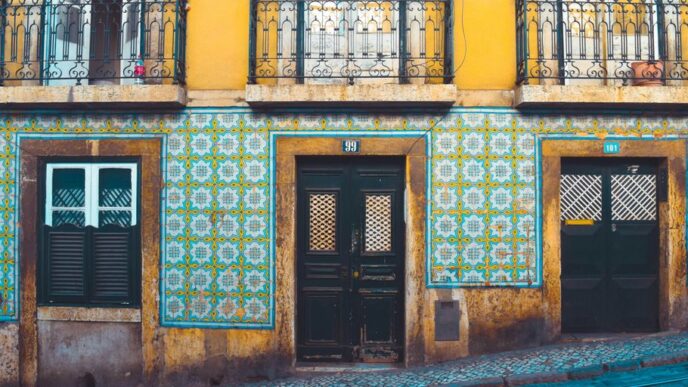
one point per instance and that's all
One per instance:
(71, 353)
(9, 354)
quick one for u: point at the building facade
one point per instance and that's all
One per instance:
(220, 191)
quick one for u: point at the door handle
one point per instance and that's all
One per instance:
(355, 236)
(613, 227)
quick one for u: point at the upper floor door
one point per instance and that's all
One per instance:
(91, 41)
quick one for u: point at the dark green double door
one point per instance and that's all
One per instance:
(609, 245)
(350, 259)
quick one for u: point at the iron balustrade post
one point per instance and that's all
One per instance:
(252, 38)
(561, 27)
(449, 42)
(300, 40)
(3, 21)
(142, 29)
(179, 56)
(403, 49)
(522, 33)
(43, 55)
(661, 38)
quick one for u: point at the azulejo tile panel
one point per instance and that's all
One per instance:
(218, 263)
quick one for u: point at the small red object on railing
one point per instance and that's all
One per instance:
(139, 70)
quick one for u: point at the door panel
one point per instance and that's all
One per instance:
(610, 245)
(327, 309)
(350, 244)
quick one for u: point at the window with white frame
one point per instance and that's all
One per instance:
(91, 194)
(90, 253)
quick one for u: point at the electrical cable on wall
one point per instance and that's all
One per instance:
(463, 35)
(456, 70)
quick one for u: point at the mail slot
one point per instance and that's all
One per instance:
(447, 315)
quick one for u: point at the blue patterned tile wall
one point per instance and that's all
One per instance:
(218, 263)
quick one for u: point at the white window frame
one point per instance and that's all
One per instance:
(91, 207)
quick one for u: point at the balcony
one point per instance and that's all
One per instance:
(84, 47)
(589, 51)
(364, 51)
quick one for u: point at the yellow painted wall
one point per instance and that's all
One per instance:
(217, 44)
(490, 30)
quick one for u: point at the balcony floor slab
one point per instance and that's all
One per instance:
(371, 95)
(582, 96)
(101, 96)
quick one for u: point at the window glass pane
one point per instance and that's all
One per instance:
(76, 218)
(115, 188)
(68, 188)
(119, 218)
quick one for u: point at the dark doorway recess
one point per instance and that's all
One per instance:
(609, 244)
(350, 259)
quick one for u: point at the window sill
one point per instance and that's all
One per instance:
(69, 313)
(355, 95)
(527, 96)
(105, 96)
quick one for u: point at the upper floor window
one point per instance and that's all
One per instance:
(602, 42)
(90, 249)
(78, 42)
(350, 41)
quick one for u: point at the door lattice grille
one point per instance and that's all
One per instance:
(322, 222)
(581, 197)
(378, 223)
(634, 197)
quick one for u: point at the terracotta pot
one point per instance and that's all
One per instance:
(647, 73)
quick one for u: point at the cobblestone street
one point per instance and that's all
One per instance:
(560, 361)
(673, 375)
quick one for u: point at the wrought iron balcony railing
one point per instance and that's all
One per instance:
(81, 42)
(337, 41)
(602, 41)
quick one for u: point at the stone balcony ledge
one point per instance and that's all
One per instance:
(546, 96)
(371, 95)
(92, 96)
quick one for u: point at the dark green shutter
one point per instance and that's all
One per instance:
(90, 266)
(113, 253)
(66, 251)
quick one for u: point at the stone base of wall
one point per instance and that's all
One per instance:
(82, 353)
(9, 354)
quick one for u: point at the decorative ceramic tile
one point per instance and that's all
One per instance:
(217, 263)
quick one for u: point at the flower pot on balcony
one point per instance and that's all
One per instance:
(647, 73)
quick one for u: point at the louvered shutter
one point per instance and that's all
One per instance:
(65, 264)
(113, 252)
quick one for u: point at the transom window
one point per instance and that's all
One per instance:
(90, 246)
(91, 194)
